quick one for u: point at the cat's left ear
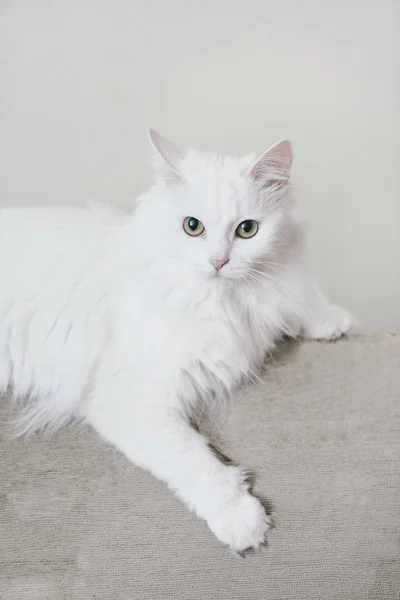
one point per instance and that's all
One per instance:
(274, 165)
(168, 155)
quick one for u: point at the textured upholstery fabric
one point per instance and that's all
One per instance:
(322, 436)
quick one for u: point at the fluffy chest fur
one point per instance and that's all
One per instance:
(175, 334)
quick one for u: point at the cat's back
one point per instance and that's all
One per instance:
(50, 259)
(43, 246)
(53, 314)
(29, 234)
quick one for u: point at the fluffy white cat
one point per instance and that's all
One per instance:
(131, 321)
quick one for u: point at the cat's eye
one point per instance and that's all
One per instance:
(193, 226)
(247, 229)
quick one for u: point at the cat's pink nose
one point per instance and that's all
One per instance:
(218, 263)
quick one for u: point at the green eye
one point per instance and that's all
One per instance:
(193, 226)
(247, 229)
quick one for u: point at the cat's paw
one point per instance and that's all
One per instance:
(241, 522)
(330, 325)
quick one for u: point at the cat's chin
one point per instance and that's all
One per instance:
(217, 276)
(222, 277)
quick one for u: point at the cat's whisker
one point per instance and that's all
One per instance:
(268, 277)
(276, 285)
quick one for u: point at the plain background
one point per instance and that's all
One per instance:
(81, 80)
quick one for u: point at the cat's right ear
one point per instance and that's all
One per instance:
(168, 157)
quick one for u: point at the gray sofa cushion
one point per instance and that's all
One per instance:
(322, 437)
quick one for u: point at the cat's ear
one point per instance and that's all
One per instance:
(168, 157)
(273, 167)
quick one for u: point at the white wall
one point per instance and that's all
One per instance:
(81, 80)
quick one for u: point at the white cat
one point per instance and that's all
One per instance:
(133, 321)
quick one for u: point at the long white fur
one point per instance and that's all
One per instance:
(121, 320)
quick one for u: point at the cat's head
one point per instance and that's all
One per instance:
(220, 216)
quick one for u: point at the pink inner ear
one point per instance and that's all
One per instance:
(169, 154)
(274, 164)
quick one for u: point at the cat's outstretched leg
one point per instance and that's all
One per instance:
(164, 443)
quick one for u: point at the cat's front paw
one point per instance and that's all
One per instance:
(331, 324)
(241, 522)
